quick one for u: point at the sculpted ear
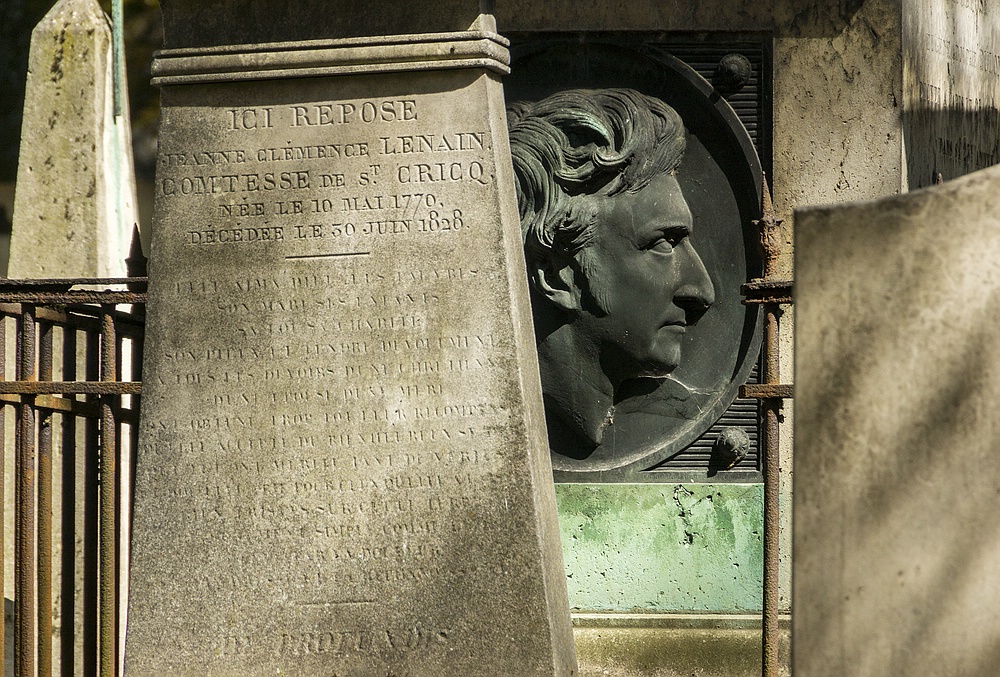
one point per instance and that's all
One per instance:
(554, 277)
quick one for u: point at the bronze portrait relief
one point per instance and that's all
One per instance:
(640, 334)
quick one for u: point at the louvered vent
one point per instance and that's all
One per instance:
(752, 106)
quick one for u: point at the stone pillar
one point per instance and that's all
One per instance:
(74, 209)
(342, 463)
(897, 382)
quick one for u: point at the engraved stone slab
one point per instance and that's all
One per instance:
(342, 466)
(951, 77)
(897, 383)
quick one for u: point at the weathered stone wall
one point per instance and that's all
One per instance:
(342, 467)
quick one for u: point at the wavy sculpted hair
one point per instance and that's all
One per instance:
(581, 143)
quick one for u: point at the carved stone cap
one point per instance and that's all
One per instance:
(385, 54)
(196, 23)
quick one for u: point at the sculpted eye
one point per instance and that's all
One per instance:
(665, 241)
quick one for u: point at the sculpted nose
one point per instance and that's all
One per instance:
(696, 292)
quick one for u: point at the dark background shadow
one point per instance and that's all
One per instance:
(949, 142)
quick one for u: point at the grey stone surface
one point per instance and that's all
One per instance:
(342, 465)
(74, 203)
(897, 382)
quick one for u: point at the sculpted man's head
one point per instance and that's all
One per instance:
(615, 279)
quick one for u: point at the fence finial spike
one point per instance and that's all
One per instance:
(771, 238)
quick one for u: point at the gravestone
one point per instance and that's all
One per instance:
(342, 465)
(897, 383)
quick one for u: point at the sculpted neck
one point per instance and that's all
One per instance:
(576, 388)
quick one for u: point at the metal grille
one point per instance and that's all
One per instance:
(69, 425)
(752, 105)
(752, 102)
(743, 413)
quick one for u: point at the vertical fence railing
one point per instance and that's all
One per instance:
(68, 472)
(771, 292)
(25, 498)
(45, 509)
(109, 481)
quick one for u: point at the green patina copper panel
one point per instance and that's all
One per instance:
(662, 547)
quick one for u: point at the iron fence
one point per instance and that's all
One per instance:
(70, 416)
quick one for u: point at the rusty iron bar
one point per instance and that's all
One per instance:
(24, 548)
(92, 443)
(67, 405)
(764, 391)
(44, 508)
(70, 388)
(772, 490)
(80, 316)
(3, 480)
(67, 598)
(108, 501)
(64, 405)
(770, 291)
(64, 283)
(72, 296)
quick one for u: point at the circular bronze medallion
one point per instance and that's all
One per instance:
(642, 334)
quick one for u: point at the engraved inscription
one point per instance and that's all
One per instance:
(364, 641)
(953, 89)
(346, 112)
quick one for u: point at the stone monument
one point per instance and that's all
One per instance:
(342, 464)
(74, 210)
(844, 120)
(897, 383)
